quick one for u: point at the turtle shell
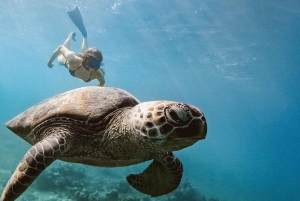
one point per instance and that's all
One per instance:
(89, 104)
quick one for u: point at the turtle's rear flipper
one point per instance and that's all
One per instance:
(161, 177)
(77, 20)
(35, 161)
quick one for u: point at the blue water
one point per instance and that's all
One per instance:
(236, 60)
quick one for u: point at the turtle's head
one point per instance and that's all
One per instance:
(171, 125)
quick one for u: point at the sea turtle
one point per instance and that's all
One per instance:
(106, 127)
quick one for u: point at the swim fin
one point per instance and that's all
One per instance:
(77, 20)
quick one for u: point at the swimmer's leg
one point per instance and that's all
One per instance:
(68, 40)
(61, 59)
(84, 46)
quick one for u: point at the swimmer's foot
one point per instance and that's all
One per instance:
(73, 34)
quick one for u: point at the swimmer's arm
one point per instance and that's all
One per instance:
(100, 78)
(64, 51)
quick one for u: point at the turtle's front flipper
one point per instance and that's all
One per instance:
(161, 177)
(37, 158)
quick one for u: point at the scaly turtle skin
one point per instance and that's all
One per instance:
(106, 127)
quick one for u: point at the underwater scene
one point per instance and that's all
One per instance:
(237, 61)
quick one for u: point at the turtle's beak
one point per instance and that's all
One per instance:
(196, 129)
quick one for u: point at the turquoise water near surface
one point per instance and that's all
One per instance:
(236, 60)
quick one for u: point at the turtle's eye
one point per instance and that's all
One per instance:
(174, 116)
(178, 113)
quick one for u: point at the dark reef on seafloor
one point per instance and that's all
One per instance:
(72, 182)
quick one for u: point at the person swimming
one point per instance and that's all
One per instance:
(85, 65)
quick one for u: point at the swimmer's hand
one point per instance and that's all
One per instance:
(50, 65)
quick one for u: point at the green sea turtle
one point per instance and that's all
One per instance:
(106, 127)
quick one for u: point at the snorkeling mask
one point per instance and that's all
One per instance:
(92, 58)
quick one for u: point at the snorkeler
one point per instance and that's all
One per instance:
(85, 65)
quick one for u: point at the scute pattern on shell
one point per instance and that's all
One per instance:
(79, 104)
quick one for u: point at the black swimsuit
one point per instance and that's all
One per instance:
(72, 72)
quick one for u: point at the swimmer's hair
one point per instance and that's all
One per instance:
(94, 52)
